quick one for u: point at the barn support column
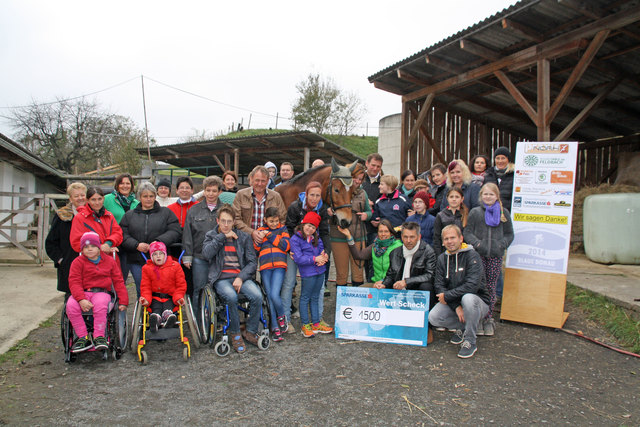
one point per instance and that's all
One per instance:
(544, 128)
(236, 162)
(307, 155)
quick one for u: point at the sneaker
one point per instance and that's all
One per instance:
(154, 321)
(307, 331)
(489, 327)
(467, 350)
(170, 322)
(456, 338)
(480, 328)
(321, 328)
(441, 329)
(282, 323)
(295, 314)
(327, 293)
(100, 343)
(277, 335)
(81, 344)
(290, 329)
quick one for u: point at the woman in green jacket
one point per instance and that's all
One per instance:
(378, 252)
(122, 199)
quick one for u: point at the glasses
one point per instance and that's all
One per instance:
(225, 221)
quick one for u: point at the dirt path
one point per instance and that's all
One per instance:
(524, 374)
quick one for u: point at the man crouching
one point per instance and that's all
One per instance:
(461, 291)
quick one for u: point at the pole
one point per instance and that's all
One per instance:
(277, 120)
(146, 127)
(249, 124)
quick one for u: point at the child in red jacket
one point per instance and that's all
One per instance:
(91, 278)
(162, 287)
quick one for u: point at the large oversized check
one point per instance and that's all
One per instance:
(382, 315)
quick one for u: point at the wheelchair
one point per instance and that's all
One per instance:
(116, 331)
(214, 320)
(140, 332)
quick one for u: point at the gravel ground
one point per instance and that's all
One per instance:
(523, 375)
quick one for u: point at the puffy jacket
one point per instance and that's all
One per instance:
(423, 266)
(380, 263)
(200, 220)
(146, 226)
(504, 183)
(243, 207)
(471, 193)
(437, 193)
(84, 274)
(489, 242)
(458, 274)
(444, 218)
(303, 253)
(171, 280)
(298, 209)
(425, 222)
(103, 223)
(112, 204)
(180, 209)
(213, 251)
(274, 248)
(58, 245)
(393, 206)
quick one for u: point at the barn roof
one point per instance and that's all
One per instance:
(16, 155)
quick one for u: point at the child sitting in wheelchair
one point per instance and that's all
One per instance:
(162, 287)
(91, 277)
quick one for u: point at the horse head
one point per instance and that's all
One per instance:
(339, 192)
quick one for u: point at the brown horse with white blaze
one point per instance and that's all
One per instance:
(336, 183)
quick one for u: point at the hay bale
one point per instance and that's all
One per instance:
(578, 203)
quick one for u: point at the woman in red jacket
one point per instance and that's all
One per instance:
(94, 217)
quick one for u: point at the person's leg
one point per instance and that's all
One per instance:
(277, 277)
(500, 284)
(474, 310)
(136, 272)
(442, 316)
(229, 296)
(341, 262)
(100, 301)
(252, 293)
(357, 271)
(306, 289)
(266, 278)
(124, 267)
(288, 285)
(369, 264)
(74, 313)
(492, 268)
(326, 242)
(200, 274)
(316, 297)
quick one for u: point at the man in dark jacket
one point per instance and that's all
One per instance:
(460, 288)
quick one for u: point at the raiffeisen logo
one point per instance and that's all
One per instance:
(547, 149)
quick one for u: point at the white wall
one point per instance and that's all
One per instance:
(14, 180)
(389, 143)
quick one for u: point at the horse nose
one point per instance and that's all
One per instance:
(345, 223)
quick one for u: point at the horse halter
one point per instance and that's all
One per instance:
(344, 175)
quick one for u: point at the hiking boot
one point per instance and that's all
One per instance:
(81, 344)
(307, 331)
(277, 335)
(100, 343)
(250, 337)
(170, 322)
(480, 328)
(456, 338)
(489, 327)
(290, 329)
(154, 322)
(467, 350)
(321, 328)
(282, 323)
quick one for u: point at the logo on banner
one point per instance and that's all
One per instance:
(562, 204)
(517, 202)
(563, 193)
(547, 149)
(536, 203)
(541, 178)
(532, 160)
(562, 177)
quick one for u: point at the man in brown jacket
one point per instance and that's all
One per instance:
(251, 203)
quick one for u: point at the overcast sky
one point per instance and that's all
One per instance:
(246, 54)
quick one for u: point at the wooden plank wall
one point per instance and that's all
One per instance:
(598, 160)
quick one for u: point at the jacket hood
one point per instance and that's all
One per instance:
(271, 165)
(463, 248)
(155, 208)
(65, 213)
(303, 198)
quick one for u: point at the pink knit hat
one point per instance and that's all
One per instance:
(90, 238)
(157, 246)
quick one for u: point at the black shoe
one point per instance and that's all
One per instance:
(456, 338)
(467, 350)
(154, 322)
(101, 343)
(357, 283)
(171, 321)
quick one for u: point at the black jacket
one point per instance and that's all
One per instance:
(458, 274)
(505, 184)
(373, 193)
(295, 214)
(444, 218)
(423, 266)
(58, 246)
(213, 251)
(490, 242)
(437, 193)
(146, 226)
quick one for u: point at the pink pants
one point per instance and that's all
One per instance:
(100, 301)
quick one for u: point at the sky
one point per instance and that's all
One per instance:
(208, 64)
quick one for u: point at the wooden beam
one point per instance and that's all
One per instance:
(442, 64)
(175, 154)
(217, 159)
(522, 30)
(544, 95)
(424, 111)
(307, 158)
(265, 141)
(227, 161)
(342, 159)
(405, 75)
(588, 109)
(236, 162)
(388, 88)
(577, 73)
(517, 95)
(478, 50)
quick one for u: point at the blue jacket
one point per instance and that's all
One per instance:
(426, 222)
(303, 254)
(393, 206)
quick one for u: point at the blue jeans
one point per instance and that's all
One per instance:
(474, 309)
(136, 272)
(200, 274)
(309, 295)
(288, 285)
(272, 281)
(251, 292)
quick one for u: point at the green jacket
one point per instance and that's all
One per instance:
(381, 263)
(112, 205)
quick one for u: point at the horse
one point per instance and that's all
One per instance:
(336, 183)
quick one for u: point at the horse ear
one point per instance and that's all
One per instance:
(353, 166)
(334, 166)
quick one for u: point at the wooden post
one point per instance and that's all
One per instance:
(544, 128)
(236, 162)
(405, 118)
(307, 155)
(226, 161)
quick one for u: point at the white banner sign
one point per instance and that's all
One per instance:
(543, 191)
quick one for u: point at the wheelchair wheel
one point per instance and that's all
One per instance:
(185, 354)
(264, 342)
(118, 333)
(193, 327)
(208, 316)
(144, 359)
(222, 348)
(136, 326)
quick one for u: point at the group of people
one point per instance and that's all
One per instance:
(444, 231)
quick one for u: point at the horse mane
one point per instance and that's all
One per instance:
(304, 175)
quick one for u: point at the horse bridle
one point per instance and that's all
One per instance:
(330, 190)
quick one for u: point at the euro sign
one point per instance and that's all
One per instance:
(347, 313)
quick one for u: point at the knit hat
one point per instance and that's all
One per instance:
(502, 151)
(157, 246)
(164, 183)
(424, 196)
(311, 218)
(90, 238)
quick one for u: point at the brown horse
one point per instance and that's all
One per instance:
(336, 188)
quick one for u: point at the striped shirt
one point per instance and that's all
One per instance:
(231, 266)
(257, 219)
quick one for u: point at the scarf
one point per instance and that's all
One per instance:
(98, 214)
(380, 246)
(125, 202)
(408, 257)
(492, 214)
